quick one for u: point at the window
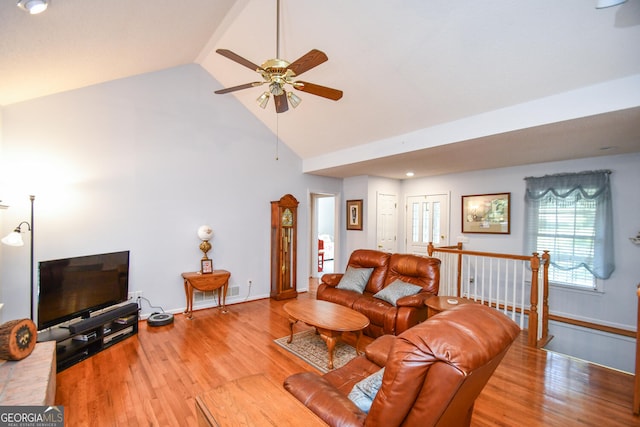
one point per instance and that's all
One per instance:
(570, 216)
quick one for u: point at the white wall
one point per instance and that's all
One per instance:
(2, 227)
(139, 164)
(616, 306)
(355, 188)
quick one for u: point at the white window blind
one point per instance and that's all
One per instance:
(567, 230)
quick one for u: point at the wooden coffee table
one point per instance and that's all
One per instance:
(329, 319)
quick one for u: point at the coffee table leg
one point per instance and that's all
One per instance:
(331, 346)
(358, 335)
(292, 322)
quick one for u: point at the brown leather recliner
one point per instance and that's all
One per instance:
(385, 318)
(433, 372)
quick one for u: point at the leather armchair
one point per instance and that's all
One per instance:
(433, 372)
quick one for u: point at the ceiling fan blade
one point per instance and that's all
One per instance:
(311, 59)
(323, 91)
(239, 59)
(240, 87)
(281, 103)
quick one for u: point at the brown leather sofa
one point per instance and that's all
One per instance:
(387, 268)
(433, 372)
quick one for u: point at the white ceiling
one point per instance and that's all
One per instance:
(435, 86)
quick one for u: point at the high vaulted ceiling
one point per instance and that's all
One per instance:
(435, 86)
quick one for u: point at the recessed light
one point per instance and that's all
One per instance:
(409, 174)
(601, 4)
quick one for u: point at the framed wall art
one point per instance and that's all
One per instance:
(487, 213)
(354, 214)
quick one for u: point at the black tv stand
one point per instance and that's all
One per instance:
(87, 337)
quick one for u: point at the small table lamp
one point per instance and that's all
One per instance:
(205, 233)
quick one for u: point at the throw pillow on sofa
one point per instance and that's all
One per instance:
(363, 393)
(355, 279)
(397, 290)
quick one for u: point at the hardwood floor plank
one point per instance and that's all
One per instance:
(152, 379)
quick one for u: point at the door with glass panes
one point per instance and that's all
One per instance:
(427, 221)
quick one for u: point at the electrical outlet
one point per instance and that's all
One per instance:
(137, 294)
(131, 295)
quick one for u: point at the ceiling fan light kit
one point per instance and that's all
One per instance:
(33, 6)
(278, 73)
(263, 100)
(294, 99)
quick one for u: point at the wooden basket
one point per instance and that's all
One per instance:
(17, 339)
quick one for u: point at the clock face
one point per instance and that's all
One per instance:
(287, 218)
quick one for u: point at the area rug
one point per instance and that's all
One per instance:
(308, 346)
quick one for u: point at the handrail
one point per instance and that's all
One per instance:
(538, 327)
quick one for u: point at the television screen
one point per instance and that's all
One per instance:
(74, 287)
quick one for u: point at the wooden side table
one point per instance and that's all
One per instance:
(253, 401)
(218, 279)
(438, 304)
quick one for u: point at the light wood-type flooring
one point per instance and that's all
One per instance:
(153, 378)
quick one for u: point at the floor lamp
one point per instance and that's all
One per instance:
(15, 239)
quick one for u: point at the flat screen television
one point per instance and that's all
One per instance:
(75, 287)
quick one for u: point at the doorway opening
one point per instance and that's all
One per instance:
(324, 236)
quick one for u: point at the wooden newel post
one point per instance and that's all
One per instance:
(532, 340)
(546, 259)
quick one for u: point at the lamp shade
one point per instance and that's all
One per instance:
(294, 99)
(205, 232)
(263, 100)
(13, 239)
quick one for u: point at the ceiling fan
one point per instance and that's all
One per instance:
(278, 73)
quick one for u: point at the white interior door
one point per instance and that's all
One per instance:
(427, 221)
(387, 222)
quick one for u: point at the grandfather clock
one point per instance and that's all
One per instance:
(284, 234)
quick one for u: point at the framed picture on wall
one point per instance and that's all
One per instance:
(486, 213)
(354, 214)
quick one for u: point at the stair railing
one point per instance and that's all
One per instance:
(500, 281)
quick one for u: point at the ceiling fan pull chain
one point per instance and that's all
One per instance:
(277, 138)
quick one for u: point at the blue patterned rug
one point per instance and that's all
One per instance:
(308, 346)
